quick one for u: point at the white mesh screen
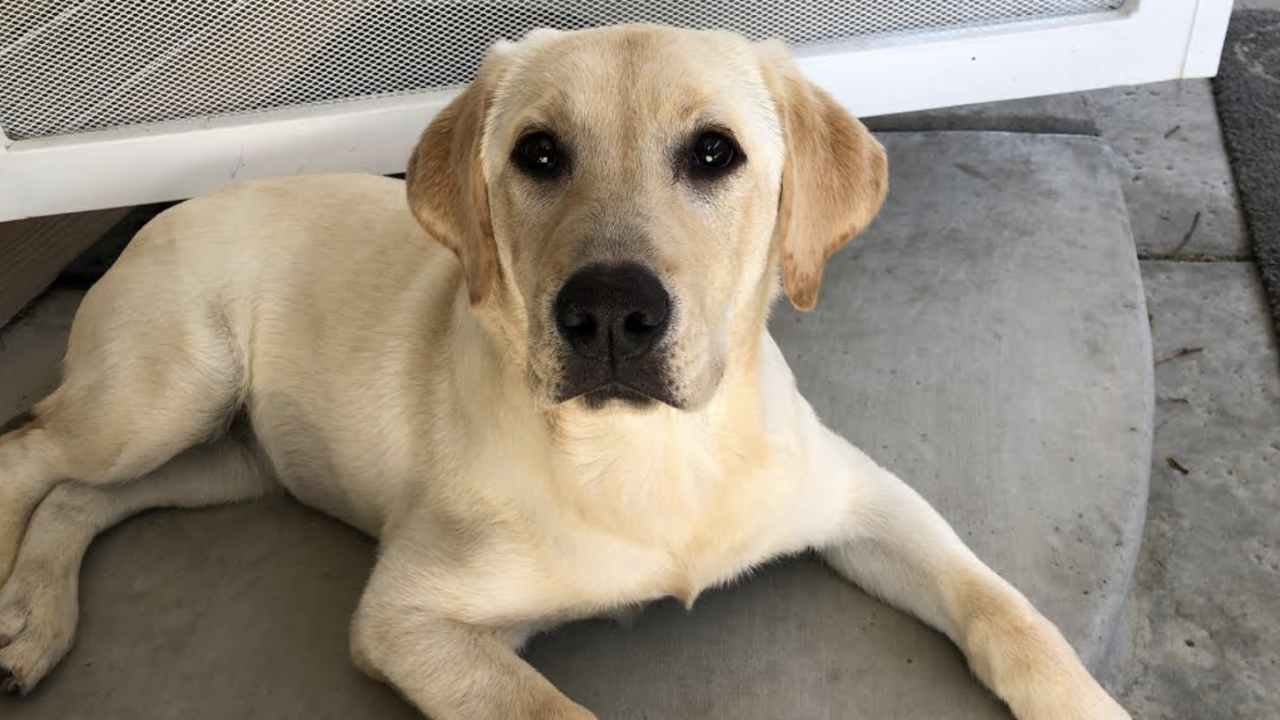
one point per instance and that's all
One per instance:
(77, 65)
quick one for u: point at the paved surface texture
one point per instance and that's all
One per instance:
(1177, 180)
(1207, 594)
(242, 612)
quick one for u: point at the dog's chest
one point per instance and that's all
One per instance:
(675, 534)
(602, 522)
(579, 570)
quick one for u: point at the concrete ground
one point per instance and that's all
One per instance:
(1207, 595)
(1206, 598)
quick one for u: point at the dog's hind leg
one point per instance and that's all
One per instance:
(143, 379)
(39, 605)
(24, 479)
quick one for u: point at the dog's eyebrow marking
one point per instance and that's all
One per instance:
(707, 121)
(710, 125)
(532, 127)
(693, 108)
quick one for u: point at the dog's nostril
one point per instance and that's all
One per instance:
(642, 322)
(582, 328)
(573, 317)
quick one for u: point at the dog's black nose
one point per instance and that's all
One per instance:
(612, 314)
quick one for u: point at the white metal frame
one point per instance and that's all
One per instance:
(1146, 41)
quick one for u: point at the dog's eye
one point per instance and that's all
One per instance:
(713, 152)
(537, 154)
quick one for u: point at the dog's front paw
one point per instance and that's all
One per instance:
(38, 614)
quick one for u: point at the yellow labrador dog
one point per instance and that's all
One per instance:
(545, 383)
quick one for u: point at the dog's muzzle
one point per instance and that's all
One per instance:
(612, 320)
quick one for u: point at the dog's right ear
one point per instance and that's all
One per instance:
(834, 178)
(446, 184)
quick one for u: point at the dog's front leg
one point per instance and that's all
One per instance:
(448, 669)
(894, 545)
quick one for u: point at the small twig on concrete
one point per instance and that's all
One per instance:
(1172, 130)
(1177, 466)
(1191, 231)
(1177, 354)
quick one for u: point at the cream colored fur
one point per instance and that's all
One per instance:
(402, 383)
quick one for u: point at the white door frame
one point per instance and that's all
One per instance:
(1145, 41)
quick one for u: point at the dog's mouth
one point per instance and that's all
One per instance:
(608, 389)
(617, 392)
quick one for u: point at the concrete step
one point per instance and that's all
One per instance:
(987, 339)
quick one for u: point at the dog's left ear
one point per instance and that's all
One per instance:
(834, 178)
(445, 181)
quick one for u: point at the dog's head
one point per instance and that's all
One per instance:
(622, 201)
